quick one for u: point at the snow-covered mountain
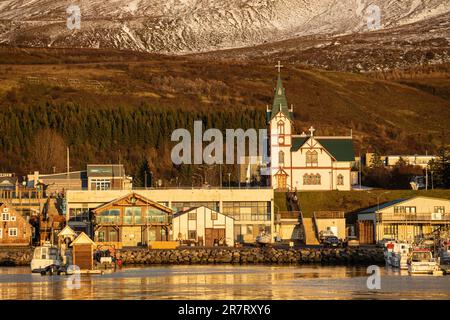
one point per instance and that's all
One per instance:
(187, 26)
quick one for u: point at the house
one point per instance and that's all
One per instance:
(9, 185)
(131, 220)
(203, 226)
(252, 209)
(14, 229)
(95, 177)
(306, 161)
(51, 222)
(404, 219)
(83, 252)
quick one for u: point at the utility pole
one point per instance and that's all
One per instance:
(426, 172)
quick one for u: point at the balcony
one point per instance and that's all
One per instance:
(415, 217)
(288, 217)
(329, 215)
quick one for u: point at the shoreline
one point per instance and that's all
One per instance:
(10, 257)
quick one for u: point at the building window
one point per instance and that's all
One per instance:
(390, 230)
(12, 232)
(280, 127)
(312, 179)
(439, 209)
(340, 180)
(101, 184)
(154, 215)
(111, 216)
(247, 210)
(404, 209)
(1, 233)
(13, 218)
(5, 216)
(281, 157)
(312, 158)
(192, 235)
(101, 236)
(192, 215)
(113, 236)
(132, 215)
(214, 215)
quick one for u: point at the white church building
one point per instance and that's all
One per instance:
(306, 161)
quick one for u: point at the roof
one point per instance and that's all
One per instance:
(67, 231)
(102, 170)
(83, 238)
(137, 196)
(63, 175)
(180, 213)
(340, 148)
(382, 206)
(279, 102)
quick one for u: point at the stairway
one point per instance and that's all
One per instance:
(310, 233)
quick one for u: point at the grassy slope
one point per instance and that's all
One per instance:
(350, 201)
(385, 115)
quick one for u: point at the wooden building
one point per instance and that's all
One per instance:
(83, 252)
(131, 220)
(14, 229)
(50, 223)
(203, 226)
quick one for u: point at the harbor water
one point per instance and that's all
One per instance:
(223, 282)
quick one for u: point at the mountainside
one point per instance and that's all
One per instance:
(107, 102)
(187, 26)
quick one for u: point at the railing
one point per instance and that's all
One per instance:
(415, 217)
(329, 214)
(288, 215)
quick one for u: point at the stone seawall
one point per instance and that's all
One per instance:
(16, 256)
(361, 256)
(196, 255)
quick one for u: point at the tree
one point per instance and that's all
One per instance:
(142, 173)
(49, 151)
(441, 168)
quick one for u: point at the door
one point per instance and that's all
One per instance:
(82, 256)
(281, 181)
(213, 234)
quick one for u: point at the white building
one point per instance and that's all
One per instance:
(306, 161)
(203, 225)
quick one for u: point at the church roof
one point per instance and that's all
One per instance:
(340, 149)
(279, 102)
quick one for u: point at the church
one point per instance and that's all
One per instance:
(305, 161)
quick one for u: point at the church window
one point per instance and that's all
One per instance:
(317, 179)
(280, 127)
(312, 158)
(311, 179)
(281, 157)
(340, 180)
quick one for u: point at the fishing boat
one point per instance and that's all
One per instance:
(399, 256)
(444, 257)
(263, 238)
(46, 258)
(421, 261)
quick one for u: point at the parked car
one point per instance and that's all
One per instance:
(351, 241)
(382, 243)
(331, 241)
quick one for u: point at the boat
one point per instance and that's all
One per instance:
(399, 256)
(444, 257)
(421, 261)
(46, 258)
(263, 238)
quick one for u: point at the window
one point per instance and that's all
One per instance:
(312, 179)
(12, 232)
(132, 215)
(340, 180)
(280, 157)
(280, 127)
(5, 216)
(312, 158)
(214, 215)
(101, 236)
(439, 209)
(101, 184)
(113, 236)
(1, 233)
(404, 209)
(247, 210)
(192, 235)
(111, 216)
(154, 215)
(12, 218)
(192, 215)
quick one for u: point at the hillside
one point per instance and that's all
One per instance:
(398, 112)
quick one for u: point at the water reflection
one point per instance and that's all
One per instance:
(224, 282)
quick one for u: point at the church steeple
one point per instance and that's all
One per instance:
(279, 99)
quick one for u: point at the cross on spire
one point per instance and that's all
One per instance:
(279, 66)
(312, 130)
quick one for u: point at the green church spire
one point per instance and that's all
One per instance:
(279, 99)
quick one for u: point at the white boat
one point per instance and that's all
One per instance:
(44, 257)
(263, 238)
(421, 261)
(399, 256)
